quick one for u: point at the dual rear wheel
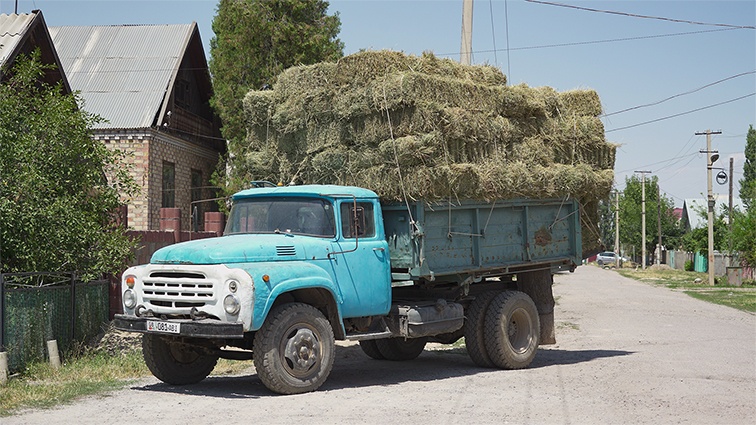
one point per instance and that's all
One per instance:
(502, 330)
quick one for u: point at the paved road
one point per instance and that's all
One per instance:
(627, 353)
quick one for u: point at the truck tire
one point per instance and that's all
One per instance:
(512, 330)
(400, 349)
(370, 347)
(293, 351)
(176, 364)
(474, 329)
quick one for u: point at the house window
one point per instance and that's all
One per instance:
(183, 94)
(197, 208)
(169, 184)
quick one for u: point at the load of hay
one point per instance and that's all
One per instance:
(428, 128)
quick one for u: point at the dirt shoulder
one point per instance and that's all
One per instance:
(627, 352)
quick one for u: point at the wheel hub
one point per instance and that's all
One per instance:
(302, 352)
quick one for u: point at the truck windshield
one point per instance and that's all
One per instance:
(295, 215)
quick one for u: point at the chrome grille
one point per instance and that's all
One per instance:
(178, 289)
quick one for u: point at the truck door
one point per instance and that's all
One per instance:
(361, 261)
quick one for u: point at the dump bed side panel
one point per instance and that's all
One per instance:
(474, 237)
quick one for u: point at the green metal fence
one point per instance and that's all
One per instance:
(38, 307)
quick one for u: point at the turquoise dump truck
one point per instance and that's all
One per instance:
(299, 267)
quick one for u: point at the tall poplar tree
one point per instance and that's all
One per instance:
(257, 39)
(748, 182)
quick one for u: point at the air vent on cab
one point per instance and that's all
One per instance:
(286, 250)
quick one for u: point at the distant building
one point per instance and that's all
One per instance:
(694, 211)
(152, 85)
(21, 35)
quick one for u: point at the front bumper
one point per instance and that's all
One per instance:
(204, 328)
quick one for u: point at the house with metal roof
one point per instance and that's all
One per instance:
(22, 34)
(151, 86)
(694, 210)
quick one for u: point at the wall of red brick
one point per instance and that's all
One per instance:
(146, 150)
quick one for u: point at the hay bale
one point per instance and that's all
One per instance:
(455, 132)
(580, 102)
(362, 68)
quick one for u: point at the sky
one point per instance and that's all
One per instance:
(683, 69)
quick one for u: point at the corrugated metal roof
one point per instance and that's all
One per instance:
(123, 71)
(693, 206)
(12, 29)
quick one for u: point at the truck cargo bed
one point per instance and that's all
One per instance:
(448, 240)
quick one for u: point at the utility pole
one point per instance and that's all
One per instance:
(711, 158)
(729, 220)
(658, 224)
(643, 216)
(616, 230)
(465, 52)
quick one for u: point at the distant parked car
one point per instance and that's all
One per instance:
(607, 257)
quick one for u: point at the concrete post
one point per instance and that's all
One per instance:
(52, 352)
(3, 368)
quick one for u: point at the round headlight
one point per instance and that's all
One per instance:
(233, 285)
(231, 304)
(129, 298)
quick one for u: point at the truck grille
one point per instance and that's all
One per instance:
(178, 289)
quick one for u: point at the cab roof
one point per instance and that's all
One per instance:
(331, 191)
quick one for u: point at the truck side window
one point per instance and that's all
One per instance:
(365, 221)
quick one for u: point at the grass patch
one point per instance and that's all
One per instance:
(742, 300)
(742, 297)
(670, 278)
(42, 387)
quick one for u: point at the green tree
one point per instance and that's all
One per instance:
(748, 182)
(744, 236)
(630, 212)
(697, 240)
(55, 203)
(255, 40)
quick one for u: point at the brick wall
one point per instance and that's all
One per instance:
(147, 149)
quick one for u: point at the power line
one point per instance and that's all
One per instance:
(679, 95)
(680, 114)
(633, 15)
(583, 43)
(656, 163)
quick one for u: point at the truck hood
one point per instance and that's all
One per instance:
(241, 249)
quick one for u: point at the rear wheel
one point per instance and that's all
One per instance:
(473, 329)
(370, 347)
(294, 349)
(400, 349)
(512, 330)
(176, 363)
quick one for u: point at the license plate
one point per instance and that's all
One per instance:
(167, 327)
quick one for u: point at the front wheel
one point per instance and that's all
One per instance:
(294, 350)
(176, 363)
(512, 330)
